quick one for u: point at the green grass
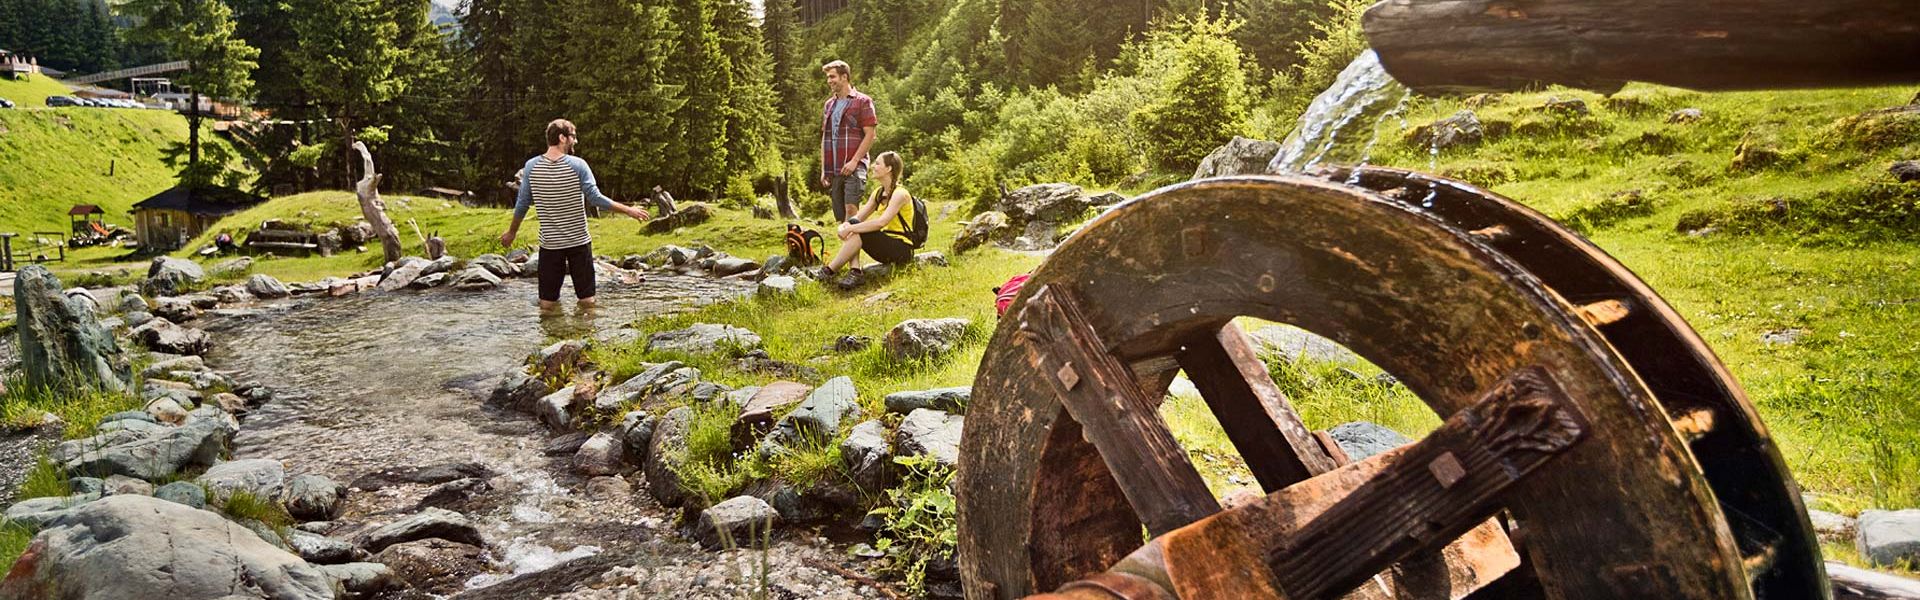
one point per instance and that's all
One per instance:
(52, 159)
(242, 504)
(31, 92)
(45, 480)
(14, 538)
(80, 407)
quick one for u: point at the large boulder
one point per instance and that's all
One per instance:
(925, 338)
(1888, 537)
(758, 413)
(952, 400)
(985, 227)
(736, 523)
(931, 432)
(1055, 203)
(1239, 156)
(151, 457)
(402, 273)
(475, 279)
(429, 523)
(136, 547)
(163, 336)
(266, 287)
(314, 498)
(666, 455)
(704, 338)
(868, 456)
(1361, 439)
(167, 276)
(261, 478)
(496, 264)
(61, 341)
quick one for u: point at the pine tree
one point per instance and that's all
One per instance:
(488, 32)
(202, 32)
(779, 28)
(102, 42)
(625, 114)
(698, 159)
(345, 62)
(751, 117)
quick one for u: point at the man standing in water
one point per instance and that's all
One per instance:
(846, 133)
(555, 183)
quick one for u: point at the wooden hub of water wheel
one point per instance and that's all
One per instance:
(1592, 446)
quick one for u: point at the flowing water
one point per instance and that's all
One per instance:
(1342, 124)
(382, 380)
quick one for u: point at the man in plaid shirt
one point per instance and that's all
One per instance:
(846, 132)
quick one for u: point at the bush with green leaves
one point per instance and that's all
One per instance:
(920, 519)
(1202, 98)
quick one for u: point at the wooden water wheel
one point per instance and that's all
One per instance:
(1593, 447)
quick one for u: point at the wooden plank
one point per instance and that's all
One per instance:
(1252, 410)
(1501, 45)
(1443, 486)
(1101, 394)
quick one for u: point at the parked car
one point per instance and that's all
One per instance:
(5, 103)
(59, 101)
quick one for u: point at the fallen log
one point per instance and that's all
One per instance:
(1460, 46)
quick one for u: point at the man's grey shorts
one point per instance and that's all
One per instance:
(845, 190)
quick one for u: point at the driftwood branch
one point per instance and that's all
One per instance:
(1439, 46)
(371, 207)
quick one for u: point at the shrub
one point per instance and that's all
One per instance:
(1202, 98)
(920, 519)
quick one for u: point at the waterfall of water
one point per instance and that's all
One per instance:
(1341, 124)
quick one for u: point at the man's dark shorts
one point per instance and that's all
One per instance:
(844, 190)
(557, 265)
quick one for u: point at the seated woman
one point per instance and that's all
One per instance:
(880, 228)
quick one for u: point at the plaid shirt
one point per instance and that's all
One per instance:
(838, 145)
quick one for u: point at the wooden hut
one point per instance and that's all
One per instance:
(170, 218)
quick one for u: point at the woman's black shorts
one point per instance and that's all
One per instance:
(557, 265)
(886, 248)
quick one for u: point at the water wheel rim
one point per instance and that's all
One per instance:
(1038, 507)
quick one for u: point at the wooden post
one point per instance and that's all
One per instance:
(375, 211)
(1440, 46)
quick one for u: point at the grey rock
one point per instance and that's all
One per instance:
(38, 512)
(778, 285)
(931, 432)
(266, 532)
(201, 301)
(849, 344)
(769, 399)
(1574, 107)
(233, 294)
(777, 264)
(267, 287)
(429, 523)
(314, 498)
(668, 255)
(1361, 439)
(232, 266)
(321, 550)
(362, 579)
(723, 267)
(87, 485)
(435, 566)
(556, 410)
(184, 363)
(519, 391)
(428, 282)
(265, 479)
(951, 400)
(868, 456)
(164, 336)
(636, 432)
(652, 380)
(665, 457)
(183, 493)
(1461, 129)
(495, 264)
(736, 522)
(925, 338)
(167, 410)
(808, 504)
(758, 361)
(934, 258)
(707, 391)
(610, 487)
(128, 415)
(475, 279)
(1832, 528)
(1686, 115)
(60, 340)
(197, 443)
(1888, 537)
(428, 475)
(1240, 156)
(818, 417)
(566, 445)
(161, 546)
(983, 228)
(601, 455)
(137, 318)
(704, 338)
(1906, 171)
(167, 276)
(1046, 202)
(121, 485)
(438, 266)
(402, 274)
(1295, 344)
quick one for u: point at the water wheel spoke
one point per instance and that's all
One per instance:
(1439, 488)
(1102, 394)
(1255, 414)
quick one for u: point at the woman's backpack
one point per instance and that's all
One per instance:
(917, 230)
(805, 246)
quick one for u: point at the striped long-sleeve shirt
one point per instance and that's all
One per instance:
(558, 189)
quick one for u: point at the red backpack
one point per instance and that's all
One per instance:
(1004, 295)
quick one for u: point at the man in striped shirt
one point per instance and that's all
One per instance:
(558, 185)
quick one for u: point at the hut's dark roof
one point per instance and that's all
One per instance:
(84, 209)
(203, 200)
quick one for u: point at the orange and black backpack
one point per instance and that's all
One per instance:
(805, 246)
